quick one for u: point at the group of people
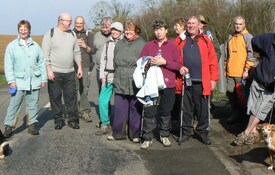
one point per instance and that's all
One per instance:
(68, 56)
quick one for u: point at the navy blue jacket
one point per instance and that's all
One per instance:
(264, 72)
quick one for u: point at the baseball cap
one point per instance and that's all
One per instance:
(117, 25)
(202, 19)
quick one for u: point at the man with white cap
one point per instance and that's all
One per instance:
(106, 74)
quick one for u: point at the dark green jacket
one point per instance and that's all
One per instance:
(125, 56)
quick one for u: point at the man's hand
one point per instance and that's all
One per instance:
(213, 85)
(183, 70)
(50, 74)
(79, 73)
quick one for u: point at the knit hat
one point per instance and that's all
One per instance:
(118, 26)
(202, 19)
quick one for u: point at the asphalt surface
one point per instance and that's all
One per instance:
(80, 151)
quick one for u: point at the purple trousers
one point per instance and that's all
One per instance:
(127, 112)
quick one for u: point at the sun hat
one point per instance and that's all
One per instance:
(202, 19)
(117, 25)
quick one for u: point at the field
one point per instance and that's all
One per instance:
(4, 40)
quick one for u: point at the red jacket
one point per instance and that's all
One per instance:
(210, 68)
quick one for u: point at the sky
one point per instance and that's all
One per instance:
(42, 14)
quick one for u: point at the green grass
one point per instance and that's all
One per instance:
(219, 96)
(2, 80)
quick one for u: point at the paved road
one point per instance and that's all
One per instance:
(71, 151)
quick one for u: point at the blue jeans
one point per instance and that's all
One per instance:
(32, 98)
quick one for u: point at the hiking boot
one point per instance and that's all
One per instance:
(146, 144)
(33, 129)
(8, 131)
(104, 130)
(252, 138)
(240, 139)
(86, 117)
(165, 141)
(203, 137)
(136, 140)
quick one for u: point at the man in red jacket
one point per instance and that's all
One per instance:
(200, 61)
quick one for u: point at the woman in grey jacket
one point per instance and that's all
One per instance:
(127, 108)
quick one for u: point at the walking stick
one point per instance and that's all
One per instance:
(181, 112)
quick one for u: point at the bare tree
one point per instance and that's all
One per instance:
(115, 9)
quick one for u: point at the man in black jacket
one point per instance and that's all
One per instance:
(261, 97)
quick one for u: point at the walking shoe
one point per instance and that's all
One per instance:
(165, 141)
(240, 139)
(33, 129)
(59, 125)
(203, 137)
(104, 130)
(252, 138)
(111, 138)
(146, 144)
(184, 138)
(73, 125)
(8, 131)
(98, 125)
(136, 140)
(86, 117)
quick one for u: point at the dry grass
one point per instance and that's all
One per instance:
(4, 41)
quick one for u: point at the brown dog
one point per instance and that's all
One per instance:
(268, 132)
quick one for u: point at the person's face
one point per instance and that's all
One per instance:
(79, 24)
(160, 33)
(239, 25)
(115, 33)
(23, 32)
(65, 22)
(178, 28)
(106, 28)
(130, 34)
(193, 26)
(201, 26)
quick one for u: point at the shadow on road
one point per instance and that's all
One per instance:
(43, 118)
(256, 155)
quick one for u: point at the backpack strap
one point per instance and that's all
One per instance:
(69, 31)
(52, 32)
(106, 58)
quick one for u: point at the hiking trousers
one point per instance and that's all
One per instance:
(103, 103)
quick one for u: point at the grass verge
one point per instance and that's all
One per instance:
(2, 80)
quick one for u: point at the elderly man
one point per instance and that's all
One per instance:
(200, 61)
(61, 49)
(239, 61)
(85, 40)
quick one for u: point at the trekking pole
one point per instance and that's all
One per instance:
(181, 113)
